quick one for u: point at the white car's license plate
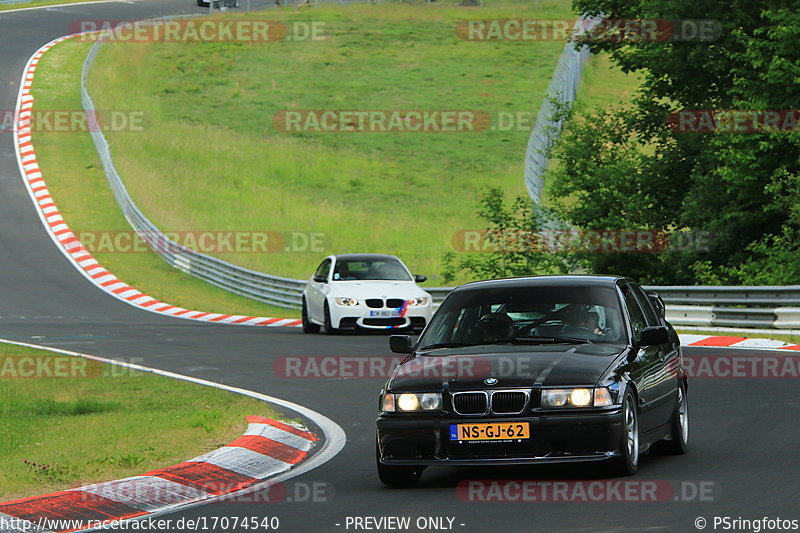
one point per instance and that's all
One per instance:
(386, 313)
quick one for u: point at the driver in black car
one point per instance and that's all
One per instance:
(591, 321)
(493, 327)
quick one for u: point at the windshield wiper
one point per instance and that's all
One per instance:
(515, 340)
(541, 340)
(447, 345)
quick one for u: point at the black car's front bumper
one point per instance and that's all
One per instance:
(558, 437)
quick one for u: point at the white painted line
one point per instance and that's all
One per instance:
(333, 442)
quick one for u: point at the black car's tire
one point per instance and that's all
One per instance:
(397, 476)
(308, 326)
(628, 461)
(679, 428)
(329, 329)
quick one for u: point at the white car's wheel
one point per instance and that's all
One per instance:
(308, 326)
(329, 329)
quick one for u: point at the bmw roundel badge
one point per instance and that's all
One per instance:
(490, 381)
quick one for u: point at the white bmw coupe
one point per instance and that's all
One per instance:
(351, 291)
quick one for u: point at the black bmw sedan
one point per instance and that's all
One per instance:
(535, 370)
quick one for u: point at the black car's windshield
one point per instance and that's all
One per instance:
(527, 315)
(388, 269)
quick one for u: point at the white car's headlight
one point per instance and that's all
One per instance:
(581, 397)
(410, 402)
(414, 302)
(347, 302)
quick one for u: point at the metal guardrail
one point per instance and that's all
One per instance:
(563, 89)
(768, 306)
(273, 290)
(726, 306)
(753, 296)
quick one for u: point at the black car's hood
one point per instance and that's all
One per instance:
(512, 366)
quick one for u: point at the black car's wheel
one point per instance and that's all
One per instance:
(397, 476)
(329, 329)
(679, 430)
(308, 326)
(628, 461)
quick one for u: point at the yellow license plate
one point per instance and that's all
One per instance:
(491, 431)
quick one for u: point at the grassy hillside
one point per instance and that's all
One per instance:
(212, 158)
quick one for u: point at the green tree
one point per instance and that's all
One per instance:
(625, 168)
(510, 246)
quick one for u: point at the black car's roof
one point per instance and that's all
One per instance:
(362, 257)
(545, 281)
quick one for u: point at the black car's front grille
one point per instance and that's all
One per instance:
(508, 402)
(394, 303)
(470, 403)
(374, 303)
(384, 321)
(503, 402)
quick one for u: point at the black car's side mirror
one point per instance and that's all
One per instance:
(654, 335)
(400, 344)
(419, 278)
(320, 279)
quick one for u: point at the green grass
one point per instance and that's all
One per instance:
(211, 157)
(603, 85)
(400, 193)
(105, 423)
(75, 177)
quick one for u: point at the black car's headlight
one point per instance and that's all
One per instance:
(577, 397)
(407, 402)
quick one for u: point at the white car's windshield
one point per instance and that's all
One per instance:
(387, 269)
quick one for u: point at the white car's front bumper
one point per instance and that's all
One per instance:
(381, 318)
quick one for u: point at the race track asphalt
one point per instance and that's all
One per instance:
(744, 434)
